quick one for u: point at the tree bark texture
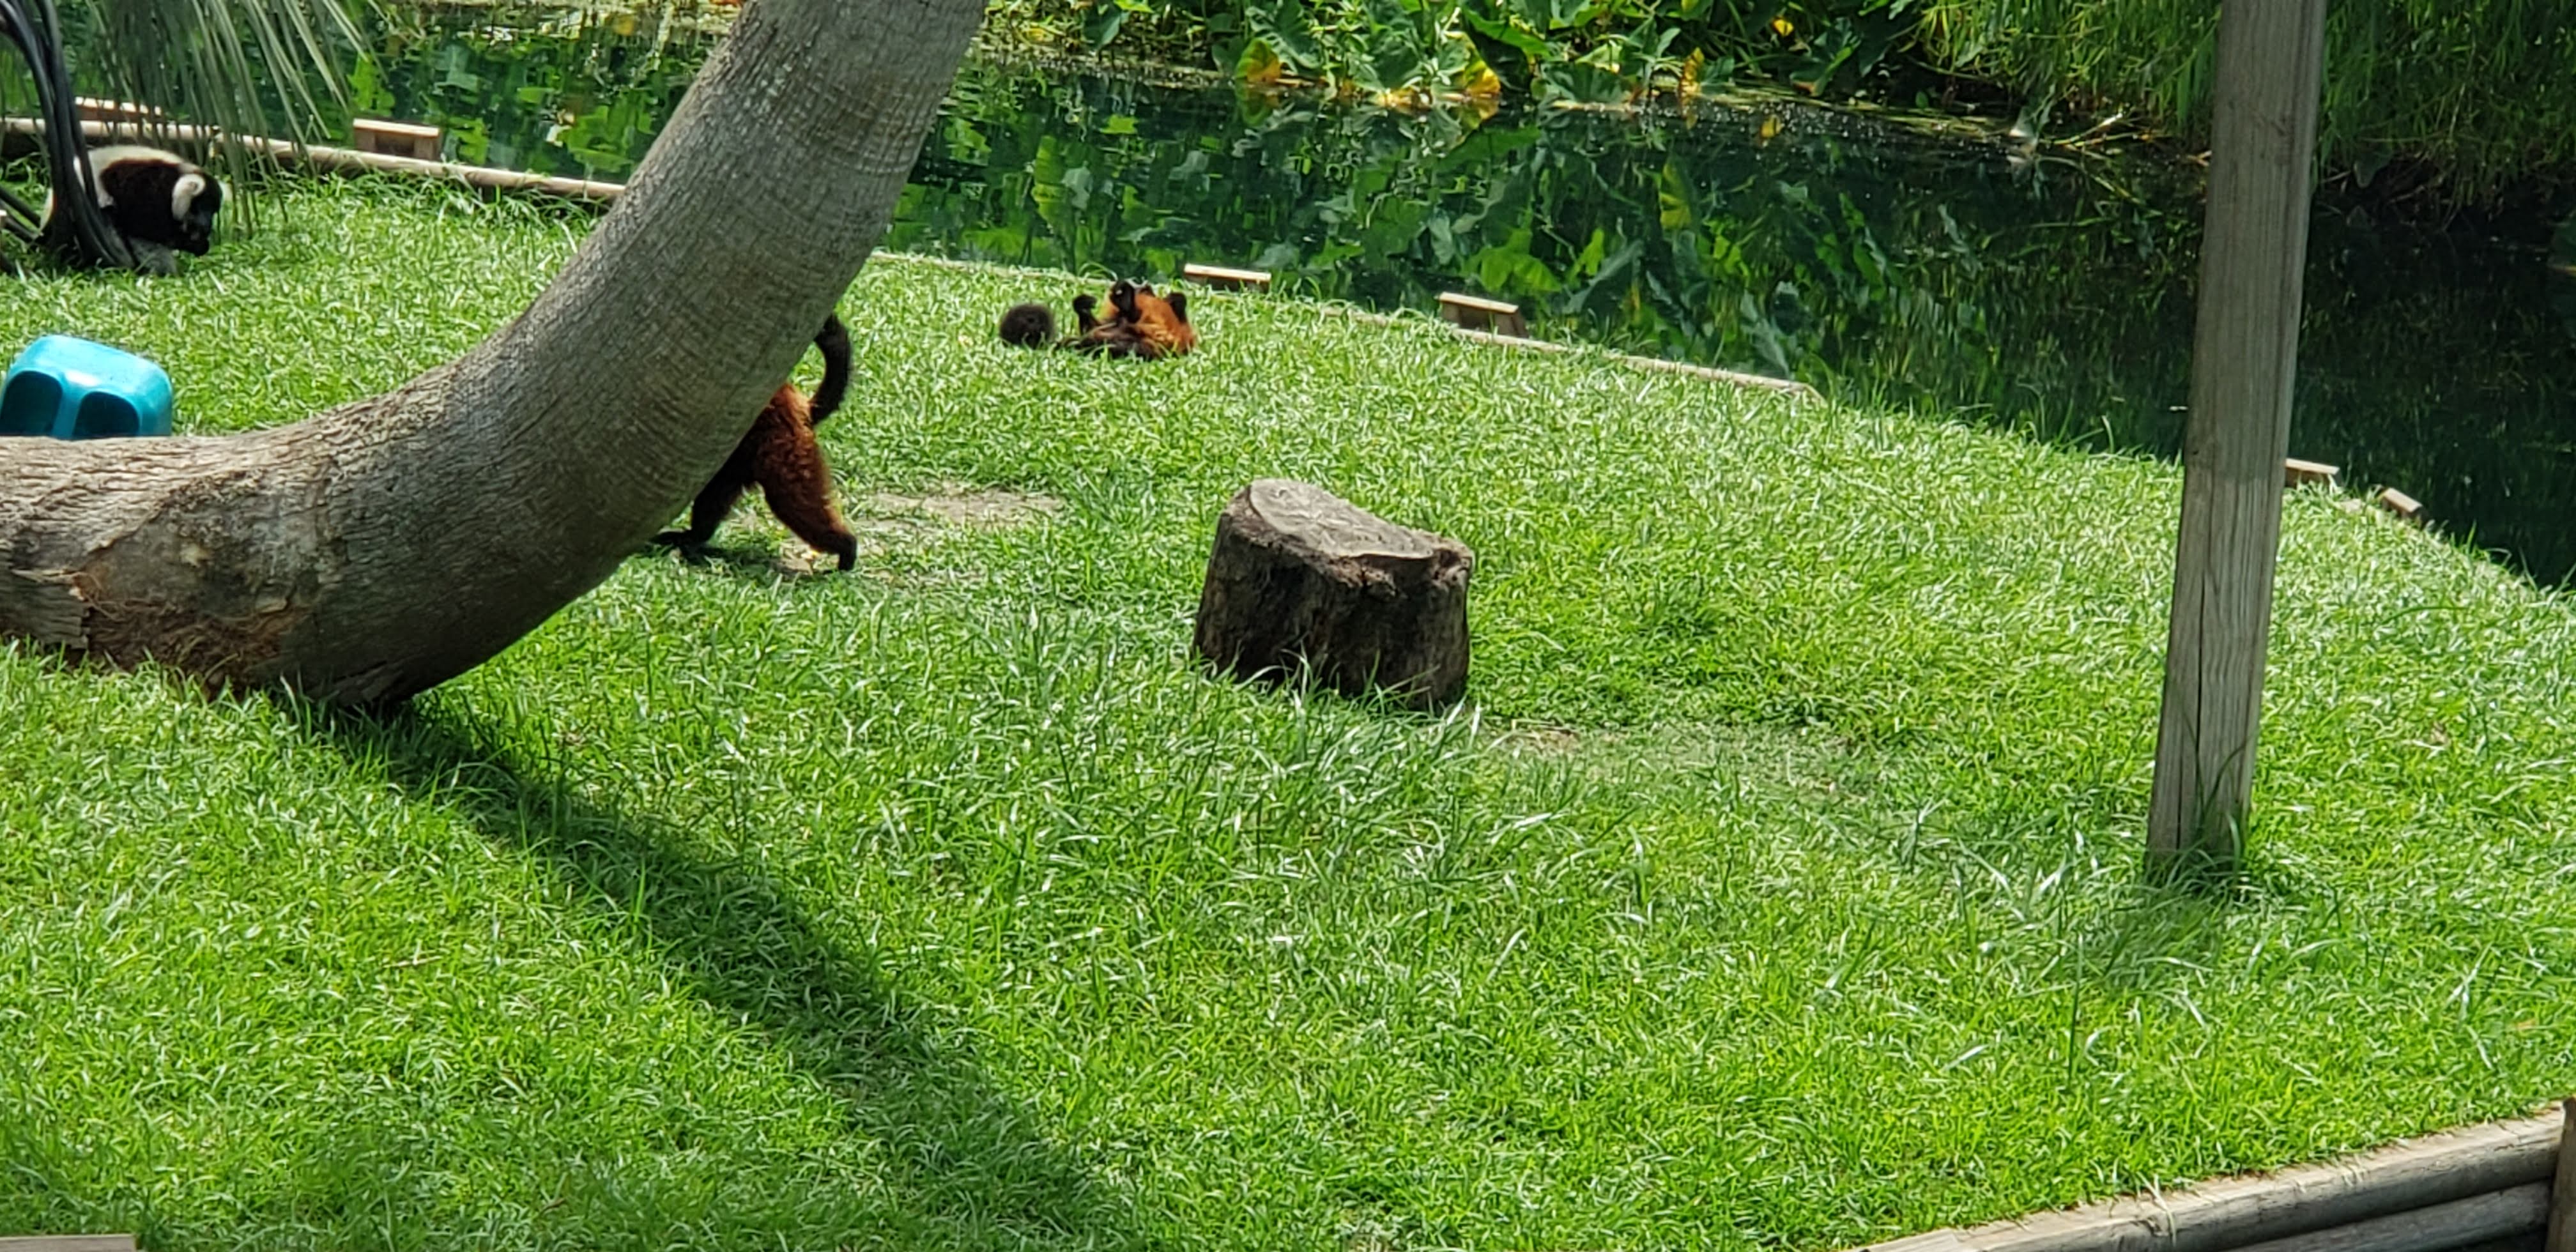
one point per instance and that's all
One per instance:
(1303, 581)
(378, 549)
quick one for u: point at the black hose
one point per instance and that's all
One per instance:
(77, 231)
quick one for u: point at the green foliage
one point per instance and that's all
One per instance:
(1795, 242)
(2475, 89)
(212, 62)
(1583, 50)
(1779, 889)
(581, 99)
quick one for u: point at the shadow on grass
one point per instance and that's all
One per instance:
(965, 1165)
(750, 564)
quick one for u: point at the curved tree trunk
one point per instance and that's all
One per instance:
(383, 547)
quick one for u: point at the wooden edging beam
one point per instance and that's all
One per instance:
(1756, 382)
(2228, 1214)
(338, 158)
(67, 1243)
(2513, 1211)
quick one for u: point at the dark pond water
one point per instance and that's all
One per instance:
(2050, 295)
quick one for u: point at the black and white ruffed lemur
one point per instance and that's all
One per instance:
(152, 197)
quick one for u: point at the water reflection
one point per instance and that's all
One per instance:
(2049, 295)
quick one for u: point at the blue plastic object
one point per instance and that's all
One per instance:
(74, 389)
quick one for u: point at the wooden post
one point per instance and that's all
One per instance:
(2561, 1236)
(2245, 349)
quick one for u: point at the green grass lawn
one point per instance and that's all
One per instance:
(1777, 888)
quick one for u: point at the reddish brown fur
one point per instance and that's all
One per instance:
(1159, 323)
(783, 458)
(787, 462)
(1141, 324)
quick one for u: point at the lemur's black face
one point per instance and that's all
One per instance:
(196, 226)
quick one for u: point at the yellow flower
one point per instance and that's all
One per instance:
(1781, 24)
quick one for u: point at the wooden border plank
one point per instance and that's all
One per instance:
(66, 1243)
(2527, 1241)
(2228, 1213)
(2514, 1211)
(1759, 382)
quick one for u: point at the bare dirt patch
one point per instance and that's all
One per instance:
(967, 507)
(885, 519)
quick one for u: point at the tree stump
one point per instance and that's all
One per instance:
(1304, 582)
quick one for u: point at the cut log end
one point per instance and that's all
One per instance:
(1304, 583)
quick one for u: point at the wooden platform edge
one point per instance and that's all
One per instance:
(390, 138)
(2401, 504)
(1478, 304)
(2229, 1213)
(66, 1243)
(387, 126)
(2299, 473)
(1227, 278)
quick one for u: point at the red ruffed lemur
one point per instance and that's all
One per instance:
(1140, 324)
(781, 456)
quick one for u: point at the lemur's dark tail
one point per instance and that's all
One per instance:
(834, 341)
